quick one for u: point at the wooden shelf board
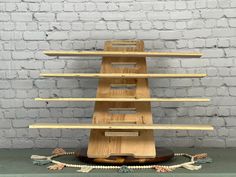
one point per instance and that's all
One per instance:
(122, 75)
(127, 99)
(123, 126)
(123, 54)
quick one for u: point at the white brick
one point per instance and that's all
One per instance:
(4, 17)
(4, 84)
(223, 22)
(181, 82)
(44, 17)
(135, 16)
(196, 33)
(30, 103)
(212, 82)
(181, 15)
(54, 65)
(232, 22)
(46, 143)
(230, 52)
(212, 53)
(212, 4)
(67, 83)
(125, 35)
(21, 7)
(158, 5)
(232, 91)
(79, 35)
(33, 7)
(180, 5)
(221, 62)
(217, 13)
(12, 103)
(5, 142)
(21, 17)
(45, 7)
(57, 35)
(21, 55)
(69, 7)
(223, 42)
(158, 15)
(89, 16)
(148, 34)
(101, 26)
(10, 7)
(102, 35)
(57, 7)
(170, 35)
(231, 142)
(11, 35)
(170, 5)
(32, 36)
(124, 7)
(5, 124)
(146, 25)
(22, 143)
(67, 16)
(50, 84)
(230, 81)
(79, 6)
(111, 26)
(22, 84)
(112, 16)
(200, 4)
(223, 32)
(195, 91)
(123, 25)
(230, 12)
(196, 24)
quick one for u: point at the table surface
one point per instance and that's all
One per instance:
(17, 162)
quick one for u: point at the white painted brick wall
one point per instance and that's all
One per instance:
(27, 27)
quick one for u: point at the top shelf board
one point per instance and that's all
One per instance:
(123, 54)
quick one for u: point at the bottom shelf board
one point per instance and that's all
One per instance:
(123, 126)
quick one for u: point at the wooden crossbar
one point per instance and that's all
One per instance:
(123, 126)
(123, 54)
(115, 75)
(127, 99)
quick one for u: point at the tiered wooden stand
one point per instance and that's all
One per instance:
(122, 123)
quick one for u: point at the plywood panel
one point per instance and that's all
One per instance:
(143, 145)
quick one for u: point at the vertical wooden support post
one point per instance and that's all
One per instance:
(143, 145)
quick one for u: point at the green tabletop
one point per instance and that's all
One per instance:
(17, 163)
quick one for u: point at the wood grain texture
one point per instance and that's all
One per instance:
(121, 133)
(123, 53)
(117, 99)
(123, 126)
(143, 145)
(121, 75)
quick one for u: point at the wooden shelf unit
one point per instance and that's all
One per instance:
(123, 133)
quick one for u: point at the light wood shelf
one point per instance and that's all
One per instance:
(123, 54)
(122, 75)
(123, 126)
(127, 99)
